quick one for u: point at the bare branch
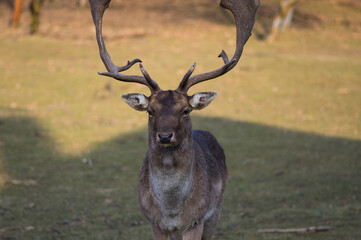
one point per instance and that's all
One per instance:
(296, 230)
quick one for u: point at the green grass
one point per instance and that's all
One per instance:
(288, 117)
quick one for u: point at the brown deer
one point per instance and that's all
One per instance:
(184, 173)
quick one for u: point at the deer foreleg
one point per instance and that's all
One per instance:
(159, 234)
(194, 234)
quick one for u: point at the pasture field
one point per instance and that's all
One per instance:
(288, 117)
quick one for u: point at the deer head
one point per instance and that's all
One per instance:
(169, 121)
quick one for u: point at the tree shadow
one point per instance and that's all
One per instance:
(277, 177)
(8, 3)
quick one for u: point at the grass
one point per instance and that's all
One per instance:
(288, 117)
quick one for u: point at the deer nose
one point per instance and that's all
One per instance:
(165, 138)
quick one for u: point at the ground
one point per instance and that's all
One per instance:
(288, 117)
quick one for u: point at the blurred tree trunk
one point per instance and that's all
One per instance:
(283, 19)
(17, 12)
(81, 3)
(35, 7)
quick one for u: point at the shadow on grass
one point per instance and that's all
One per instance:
(278, 178)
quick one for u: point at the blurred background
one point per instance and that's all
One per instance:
(288, 115)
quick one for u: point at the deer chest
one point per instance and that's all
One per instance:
(170, 189)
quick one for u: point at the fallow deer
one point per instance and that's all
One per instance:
(184, 173)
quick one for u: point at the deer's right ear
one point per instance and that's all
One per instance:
(136, 100)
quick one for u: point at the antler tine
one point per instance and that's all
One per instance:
(98, 8)
(244, 12)
(184, 81)
(150, 81)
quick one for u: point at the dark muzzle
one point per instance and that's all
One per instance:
(165, 138)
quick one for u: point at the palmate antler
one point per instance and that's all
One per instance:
(97, 9)
(244, 12)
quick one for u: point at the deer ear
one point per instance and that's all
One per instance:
(201, 100)
(136, 100)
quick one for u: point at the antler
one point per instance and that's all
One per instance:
(97, 9)
(244, 12)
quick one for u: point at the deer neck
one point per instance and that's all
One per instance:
(171, 174)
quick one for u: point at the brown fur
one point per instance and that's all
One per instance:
(194, 159)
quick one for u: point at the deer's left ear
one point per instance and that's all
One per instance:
(136, 100)
(201, 100)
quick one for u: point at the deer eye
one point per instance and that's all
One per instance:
(186, 112)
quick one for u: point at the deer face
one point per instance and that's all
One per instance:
(169, 121)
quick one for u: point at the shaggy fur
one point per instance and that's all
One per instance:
(181, 183)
